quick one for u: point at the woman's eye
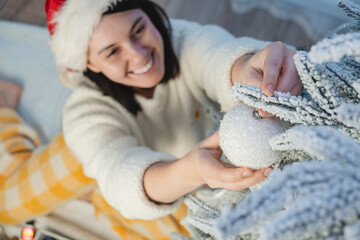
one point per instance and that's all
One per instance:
(113, 51)
(140, 29)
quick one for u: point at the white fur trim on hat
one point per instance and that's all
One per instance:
(75, 24)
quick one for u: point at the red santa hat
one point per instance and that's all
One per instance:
(71, 24)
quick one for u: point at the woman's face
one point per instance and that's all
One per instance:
(128, 49)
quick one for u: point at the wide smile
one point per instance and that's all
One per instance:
(145, 69)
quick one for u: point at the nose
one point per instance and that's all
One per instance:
(136, 53)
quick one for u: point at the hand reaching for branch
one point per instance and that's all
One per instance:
(271, 69)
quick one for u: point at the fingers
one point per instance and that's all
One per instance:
(297, 89)
(217, 175)
(272, 69)
(214, 170)
(242, 182)
(264, 113)
(231, 175)
(279, 70)
(289, 78)
(289, 81)
(273, 62)
(258, 177)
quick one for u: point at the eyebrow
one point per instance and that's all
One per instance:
(132, 28)
(136, 22)
(106, 48)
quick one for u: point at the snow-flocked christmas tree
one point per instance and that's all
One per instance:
(313, 199)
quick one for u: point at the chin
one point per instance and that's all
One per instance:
(153, 83)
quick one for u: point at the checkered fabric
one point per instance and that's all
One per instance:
(34, 183)
(160, 228)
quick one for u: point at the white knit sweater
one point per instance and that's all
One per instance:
(116, 147)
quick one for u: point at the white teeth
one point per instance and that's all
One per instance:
(144, 69)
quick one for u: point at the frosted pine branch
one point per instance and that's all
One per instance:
(349, 71)
(334, 49)
(350, 8)
(204, 209)
(295, 109)
(352, 66)
(203, 224)
(330, 143)
(260, 205)
(349, 114)
(341, 76)
(352, 231)
(200, 208)
(309, 182)
(290, 108)
(321, 213)
(356, 86)
(290, 156)
(344, 28)
(178, 236)
(326, 83)
(327, 86)
(314, 211)
(200, 218)
(308, 200)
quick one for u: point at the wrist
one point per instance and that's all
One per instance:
(165, 182)
(193, 179)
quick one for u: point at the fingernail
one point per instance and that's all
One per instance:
(267, 172)
(261, 114)
(270, 87)
(247, 174)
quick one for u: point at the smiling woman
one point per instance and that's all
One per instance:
(142, 101)
(132, 55)
(140, 138)
(138, 55)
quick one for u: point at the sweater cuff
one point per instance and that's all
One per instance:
(231, 52)
(130, 196)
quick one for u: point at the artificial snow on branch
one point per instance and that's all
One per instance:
(350, 8)
(314, 191)
(308, 200)
(326, 87)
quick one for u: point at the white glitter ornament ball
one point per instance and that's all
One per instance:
(244, 139)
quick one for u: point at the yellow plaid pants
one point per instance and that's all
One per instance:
(34, 183)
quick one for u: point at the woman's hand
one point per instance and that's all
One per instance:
(165, 182)
(217, 174)
(271, 69)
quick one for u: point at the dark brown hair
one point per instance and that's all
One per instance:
(125, 94)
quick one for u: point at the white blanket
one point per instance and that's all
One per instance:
(26, 58)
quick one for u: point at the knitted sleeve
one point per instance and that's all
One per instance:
(207, 54)
(105, 138)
